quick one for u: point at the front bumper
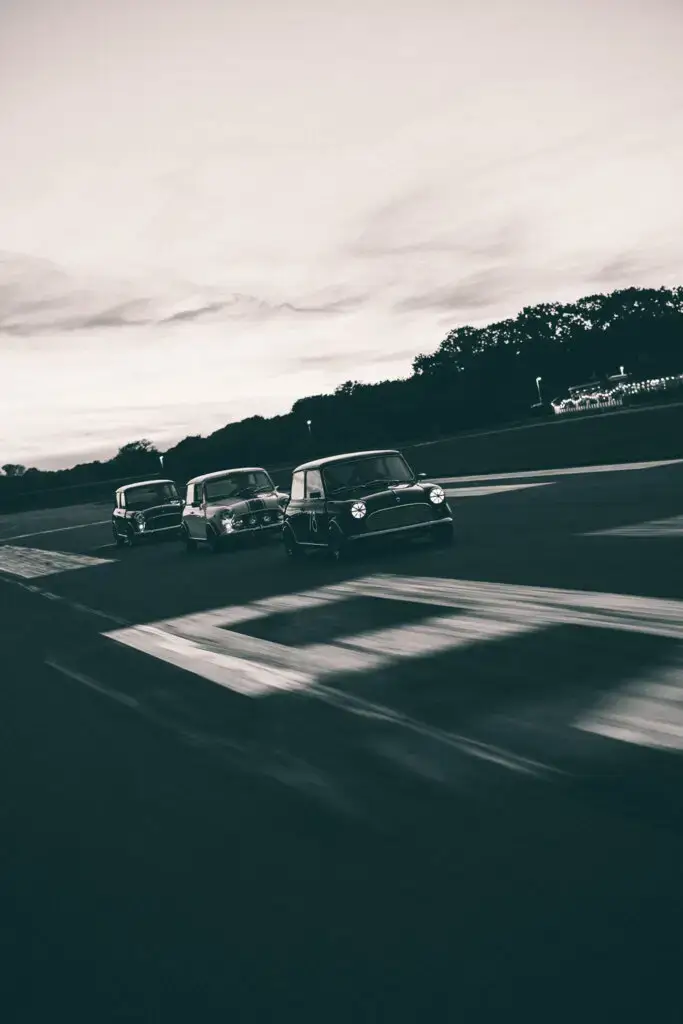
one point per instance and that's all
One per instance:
(412, 529)
(250, 531)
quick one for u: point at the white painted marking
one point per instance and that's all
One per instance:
(672, 527)
(56, 529)
(539, 605)
(200, 643)
(29, 563)
(647, 712)
(255, 667)
(573, 471)
(478, 492)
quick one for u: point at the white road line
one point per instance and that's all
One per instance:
(201, 643)
(573, 471)
(78, 677)
(478, 492)
(56, 529)
(672, 527)
(539, 605)
(648, 713)
(255, 667)
(30, 563)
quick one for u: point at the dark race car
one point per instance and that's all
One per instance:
(146, 509)
(347, 500)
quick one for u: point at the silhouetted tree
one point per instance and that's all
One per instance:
(478, 376)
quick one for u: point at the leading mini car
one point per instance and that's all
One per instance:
(340, 502)
(148, 508)
(232, 503)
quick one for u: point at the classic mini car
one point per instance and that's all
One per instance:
(339, 502)
(149, 508)
(220, 507)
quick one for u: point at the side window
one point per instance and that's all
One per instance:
(314, 482)
(297, 491)
(189, 497)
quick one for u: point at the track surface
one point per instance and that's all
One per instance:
(486, 824)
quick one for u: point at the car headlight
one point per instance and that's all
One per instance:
(358, 509)
(437, 495)
(139, 520)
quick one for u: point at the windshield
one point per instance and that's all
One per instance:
(237, 485)
(150, 495)
(369, 471)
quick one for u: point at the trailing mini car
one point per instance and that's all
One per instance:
(345, 500)
(148, 508)
(232, 503)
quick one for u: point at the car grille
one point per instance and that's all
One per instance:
(257, 520)
(402, 515)
(161, 520)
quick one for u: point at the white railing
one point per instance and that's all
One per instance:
(607, 400)
(603, 403)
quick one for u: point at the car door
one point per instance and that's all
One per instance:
(118, 515)
(192, 514)
(316, 512)
(296, 509)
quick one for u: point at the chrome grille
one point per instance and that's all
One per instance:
(257, 520)
(402, 515)
(161, 520)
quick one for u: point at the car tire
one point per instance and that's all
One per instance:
(214, 541)
(443, 535)
(293, 550)
(337, 545)
(119, 541)
(190, 543)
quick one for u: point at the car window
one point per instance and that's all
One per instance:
(356, 473)
(189, 497)
(238, 485)
(297, 491)
(314, 481)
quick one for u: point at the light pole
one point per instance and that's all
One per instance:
(538, 388)
(308, 424)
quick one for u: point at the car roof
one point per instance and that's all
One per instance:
(319, 463)
(224, 472)
(143, 483)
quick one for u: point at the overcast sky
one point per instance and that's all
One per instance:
(210, 208)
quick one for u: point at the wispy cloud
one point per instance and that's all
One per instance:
(77, 309)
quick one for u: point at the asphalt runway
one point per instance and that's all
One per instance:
(424, 785)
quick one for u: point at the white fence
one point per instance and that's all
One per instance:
(610, 399)
(582, 405)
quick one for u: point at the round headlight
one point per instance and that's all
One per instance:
(437, 495)
(358, 509)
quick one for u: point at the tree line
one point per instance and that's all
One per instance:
(478, 377)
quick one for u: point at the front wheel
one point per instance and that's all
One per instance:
(190, 543)
(337, 545)
(214, 541)
(293, 550)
